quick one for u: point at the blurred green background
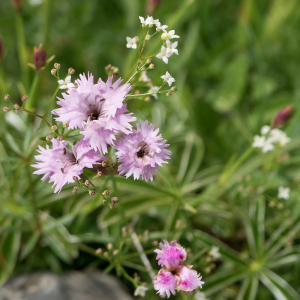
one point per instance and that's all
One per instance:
(238, 65)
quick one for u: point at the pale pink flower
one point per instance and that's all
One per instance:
(165, 282)
(171, 254)
(142, 152)
(60, 164)
(189, 279)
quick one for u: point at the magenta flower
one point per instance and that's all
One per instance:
(60, 164)
(96, 108)
(141, 152)
(174, 275)
(171, 254)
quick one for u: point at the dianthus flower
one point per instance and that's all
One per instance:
(141, 152)
(61, 165)
(174, 275)
(96, 108)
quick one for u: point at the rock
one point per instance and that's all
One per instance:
(91, 285)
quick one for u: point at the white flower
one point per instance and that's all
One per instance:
(171, 35)
(142, 20)
(168, 78)
(284, 193)
(171, 48)
(66, 84)
(144, 77)
(161, 27)
(214, 252)
(140, 291)
(259, 141)
(265, 129)
(268, 146)
(131, 43)
(154, 89)
(150, 21)
(278, 136)
(200, 296)
(163, 54)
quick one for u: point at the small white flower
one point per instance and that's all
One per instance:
(140, 291)
(268, 146)
(66, 84)
(265, 129)
(144, 77)
(168, 78)
(259, 141)
(284, 193)
(161, 27)
(200, 296)
(172, 35)
(278, 136)
(163, 54)
(171, 48)
(214, 252)
(150, 21)
(131, 43)
(154, 89)
(142, 20)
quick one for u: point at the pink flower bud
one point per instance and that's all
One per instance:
(151, 6)
(39, 57)
(283, 116)
(5, 109)
(16, 106)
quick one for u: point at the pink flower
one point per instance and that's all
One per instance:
(174, 275)
(96, 108)
(165, 282)
(60, 164)
(141, 152)
(171, 254)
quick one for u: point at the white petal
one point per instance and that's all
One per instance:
(61, 81)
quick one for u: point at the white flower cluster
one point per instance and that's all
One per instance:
(269, 138)
(283, 193)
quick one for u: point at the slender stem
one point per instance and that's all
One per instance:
(33, 198)
(30, 101)
(148, 94)
(53, 96)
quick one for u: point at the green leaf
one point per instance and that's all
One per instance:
(29, 245)
(12, 144)
(248, 290)
(224, 250)
(278, 286)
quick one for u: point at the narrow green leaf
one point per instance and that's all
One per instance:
(12, 144)
(29, 245)
(248, 290)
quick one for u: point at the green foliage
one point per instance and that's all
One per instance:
(238, 66)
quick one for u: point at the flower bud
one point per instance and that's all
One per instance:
(7, 97)
(24, 98)
(60, 138)
(76, 188)
(104, 202)
(104, 164)
(1, 49)
(106, 254)
(16, 106)
(92, 193)
(65, 125)
(5, 109)
(17, 5)
(148, 99)
(136, 38)
(152, 5)
(106, 193)
(174, 89)
(149, 60)
(57, 66)
(109, 246)
(71, 71)
(53, 71)
(99, 174)
(75, 178)
(112, 165)
(151, 66)
(74, 191)
(169, 93)
(54, 127)
(115, 199)
(39, 57)
(98, 251)
(87, 183)
(116, 252)
(164, 36)
(49, 138)
(147, 37)
(283, 116)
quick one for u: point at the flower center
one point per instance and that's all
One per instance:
(68, 159)
(144, 149)
(93, 115)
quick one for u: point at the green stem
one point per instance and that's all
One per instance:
(22, 50)
(53, 96)
(33, 198)
(32, 94)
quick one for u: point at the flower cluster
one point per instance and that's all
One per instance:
(98, 111)
(174, 275)
(269, 138)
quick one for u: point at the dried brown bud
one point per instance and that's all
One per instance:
(6, 97)
(57, 66)
(5, 109)
(16, 106)
(24, 98)
(39, 57)
(71, 71)
(283, 116)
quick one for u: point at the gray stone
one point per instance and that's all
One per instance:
(91, 285)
